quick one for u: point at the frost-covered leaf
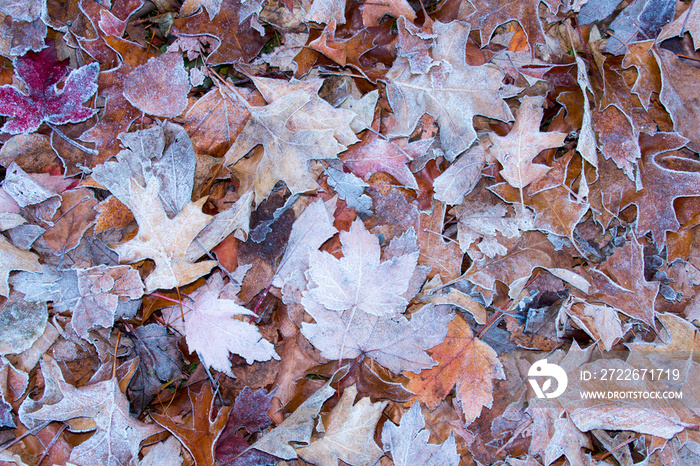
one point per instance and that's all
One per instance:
(408, 442)
(452, 92)
(313, 227)
(461, 177)
(200, 434)
(146, 89)
(350, 188)
(393, 341)
(41, 72)
(287, 153)
(163, 239)
(349, 433)
(296, 428)
(13, 258)
(359, 280)
(213, 331)
(117, 436)
(166, 452)
(191, 6)
(21, 323)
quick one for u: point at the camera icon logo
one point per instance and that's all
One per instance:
(542, 369)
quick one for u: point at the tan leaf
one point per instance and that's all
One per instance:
(287, 153)
(13, 258)
(452, 92)
(464, 361)
(444, 257)
(372, 12)
(164, 240)
(522, 144)
(349, 433)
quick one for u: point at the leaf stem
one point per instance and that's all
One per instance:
(70, 141)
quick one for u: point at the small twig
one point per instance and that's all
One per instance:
(33, 431)
(51, 443)
(71, 141)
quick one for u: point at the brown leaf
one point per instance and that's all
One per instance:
(443, 257)
(13, 258)
(199, 435)
(71, 221)
(464, 361)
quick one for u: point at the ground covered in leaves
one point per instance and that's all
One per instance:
(346, 231)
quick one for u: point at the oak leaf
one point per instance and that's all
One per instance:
(464, 361)
(41, 72)
(162, 239)
(408, 442)
(287, 153)
(523, 143)
(452, 93)
(201, 432)
(349, 433)
(212, 330)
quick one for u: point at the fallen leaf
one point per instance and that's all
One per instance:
(13, 258)
(443, 257)
(372, 12)
(199, 435)
(41, 72)
(408, 442)
(287, 153)
(211, 329)
(117, 436)
(146, 89)
(349, 433)
(359, 281)
(350, 188)
(22, 323)
(453, 92)
(523, 143)
(461, 177)
(166, 452)
(296, 428)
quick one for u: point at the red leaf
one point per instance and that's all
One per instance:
(41, 72)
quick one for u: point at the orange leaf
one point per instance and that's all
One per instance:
(464, 361)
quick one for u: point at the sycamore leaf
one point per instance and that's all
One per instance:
(408, 442)
(13, 258)
(162, 239)
(212, 330)
(296, 428)
(359, 280)
(200, 434)
(349, 433)
(41, 73)
(381, 155)
(453, 92)
(464, 361)
(117, 436)
(393, 341)
(287, 153)
(522, 144)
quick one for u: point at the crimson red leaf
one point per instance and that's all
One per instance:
(41, 72)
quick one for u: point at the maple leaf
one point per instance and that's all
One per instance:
(393, 341)
(523, 143)
(464, 361)
(13, 258)
(408, 442)
(117, 437)
(377, 154)
(359, 280)
(287, 153)
(41, 72)
(199, 437)
(453, 92)
(349, 433)
(212, 330)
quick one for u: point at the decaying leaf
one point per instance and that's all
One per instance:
(146, 89)
(13, 258)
